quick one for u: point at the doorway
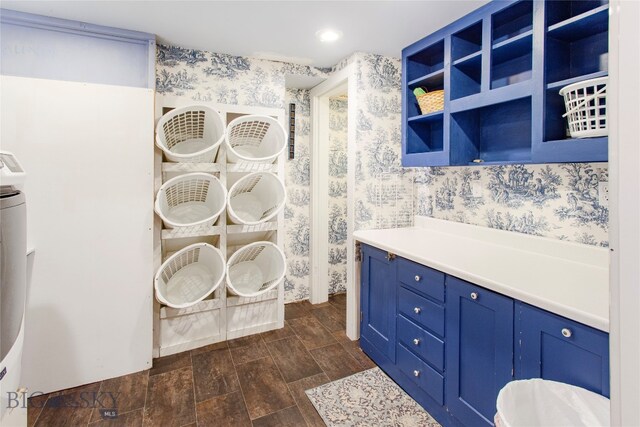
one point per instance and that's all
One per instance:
(332, 183)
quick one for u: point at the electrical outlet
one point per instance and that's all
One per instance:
(603, 193)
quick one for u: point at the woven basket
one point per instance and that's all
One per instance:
(431, 102)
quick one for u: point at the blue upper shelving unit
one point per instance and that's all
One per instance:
(501, 68)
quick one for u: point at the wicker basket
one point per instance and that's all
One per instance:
(431, 102)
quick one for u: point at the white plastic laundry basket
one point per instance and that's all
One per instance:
(586, 104)
(189, 275)
(256, 198)
(190, 134)
(191, 199)
(254, 139)
(255, 269)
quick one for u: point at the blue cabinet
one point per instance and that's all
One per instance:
(378, 300)
(479, 348)
(452, 345)
(501, 68)
(558, 349)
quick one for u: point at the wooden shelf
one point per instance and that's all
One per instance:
(515, 42)
(476, 56)
(436, 115)
(191, 167)
(195, 231)
(431, 79)
(592, 22)
(562, 83)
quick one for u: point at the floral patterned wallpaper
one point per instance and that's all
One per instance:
(338, 194)
(226, 79)
(297, 209)
(557, 200)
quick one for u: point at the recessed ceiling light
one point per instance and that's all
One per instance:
(328, 35)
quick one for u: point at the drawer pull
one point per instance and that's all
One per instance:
(417, 278)
(417, 310)
(566, 332)
(390, 256)
(416, 341)
(416, 373)
(474, 296)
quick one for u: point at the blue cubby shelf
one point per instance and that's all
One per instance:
(501, 68)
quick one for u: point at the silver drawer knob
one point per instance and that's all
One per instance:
(416, 373)
(416, 341)
(417, 310)
(417, 278)
(566, 333)
(474, 295)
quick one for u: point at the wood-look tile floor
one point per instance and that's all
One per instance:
(252, 381)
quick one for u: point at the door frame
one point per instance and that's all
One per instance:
(624, 178)
(319, 215)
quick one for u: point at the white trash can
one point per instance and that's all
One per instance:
(545, 403)
(254, 139)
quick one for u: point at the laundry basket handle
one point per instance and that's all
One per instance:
(585, 100)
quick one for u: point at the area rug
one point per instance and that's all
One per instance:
(368, 398)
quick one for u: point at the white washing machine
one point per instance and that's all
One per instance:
(13, 289)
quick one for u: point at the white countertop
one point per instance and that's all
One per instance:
(569, 279)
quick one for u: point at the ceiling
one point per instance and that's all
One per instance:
(280, 30)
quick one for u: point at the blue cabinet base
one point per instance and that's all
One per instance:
(435, 409)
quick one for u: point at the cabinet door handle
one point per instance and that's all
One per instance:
(416, 373)
(566, 332)
(416, 341)
(474, 296)
(417, 278)
(390, 256)
(417, 310)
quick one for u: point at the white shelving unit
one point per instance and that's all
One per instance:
(221, 316)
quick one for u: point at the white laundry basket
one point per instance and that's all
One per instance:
(586, 104)
(189, 275)
(254, 139)
(190, 200)
(256, 198)
(255, 269)
(190, 134)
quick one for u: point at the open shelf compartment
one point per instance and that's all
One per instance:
(466, 76)
(427, 61)
(467, 41)
(579, 45)
(512, 21)
(499, 133)
(425, 134)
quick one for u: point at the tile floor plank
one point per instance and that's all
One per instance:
(69, 408)
(335, 361)
(263, 387)
(290, 417)
(293, 359)
(169, 363)
(311, 332)
(330, 318)
(214, 374)
(170, 399)
(129, 419)
(227, 410)
(128, 393)
(302, 401)
(278, 334)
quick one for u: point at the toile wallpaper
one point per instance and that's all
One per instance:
(558, 201)
(338, 194)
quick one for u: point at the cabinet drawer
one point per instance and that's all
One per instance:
(425, 377)
(421, 342)
(422, 279)
(421, 310)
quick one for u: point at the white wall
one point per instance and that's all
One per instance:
(88, 153)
